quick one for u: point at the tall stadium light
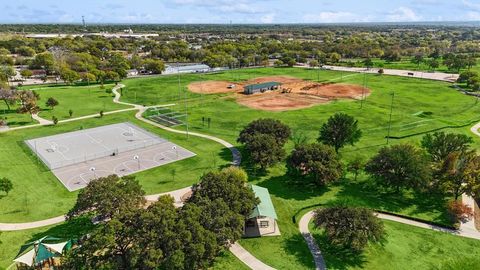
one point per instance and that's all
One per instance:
(390, 120)
(363, 89)
(186, 111)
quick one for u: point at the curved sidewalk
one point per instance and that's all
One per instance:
(317, 254)
(311, 243)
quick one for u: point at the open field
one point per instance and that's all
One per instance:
(419, 106)
(82, 100)
(406, 247)
(404, 63)
(37, 194)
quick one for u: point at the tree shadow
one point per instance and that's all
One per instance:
(296, 246)
(72, 229)
(367, 194)
(226, 154)
(337, 257)
(283, 187)
(19, 123)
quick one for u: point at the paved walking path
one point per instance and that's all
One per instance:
(41, 120)
(247, 258)
(466, 230)
(312, 244)
(476, 129)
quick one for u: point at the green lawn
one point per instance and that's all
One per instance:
(419, 106)
(82, 100)
(404, 63)
(441, 106)
(37, 194)
(405, 247)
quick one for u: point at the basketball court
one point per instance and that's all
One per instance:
(80, 156)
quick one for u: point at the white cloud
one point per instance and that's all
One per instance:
(268, 18)
(234, 6)
(403, 14)
(331, 17)
(473, 16)
(471, 5)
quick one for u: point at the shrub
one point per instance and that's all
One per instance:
(459, 212)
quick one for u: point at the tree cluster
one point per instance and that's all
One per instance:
(445, 164)
(132, 235)
(264, 140)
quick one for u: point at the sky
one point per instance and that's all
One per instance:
(237, 11)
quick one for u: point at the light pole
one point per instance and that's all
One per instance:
(137, 158)
(390, 120)
(363, 89)
(92, 169)
(175, 148)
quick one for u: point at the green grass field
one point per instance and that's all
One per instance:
(37, 194)
(82, 100)
(404, 63)
(419, 106)
(405, 247)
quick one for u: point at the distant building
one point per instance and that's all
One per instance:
(260, 87)
(263, 219)
(186, 68)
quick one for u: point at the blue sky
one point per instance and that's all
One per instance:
(237, 11)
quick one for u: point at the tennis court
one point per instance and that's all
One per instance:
(80, 156)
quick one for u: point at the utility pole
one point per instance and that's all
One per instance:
(84, 24)
(186, 111)
(363, 89)
(390, 121)
(318, 71)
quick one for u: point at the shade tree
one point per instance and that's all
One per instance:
(278, 130)
(6, 185)
(349, 227)
(400, 166)
(108, 196)
(51, 102)
(339, 130)
(316, 161)
(440, 144)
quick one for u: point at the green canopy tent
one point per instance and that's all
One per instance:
(37, 252)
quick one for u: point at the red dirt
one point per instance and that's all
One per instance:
(299, 93)
(212, 87)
